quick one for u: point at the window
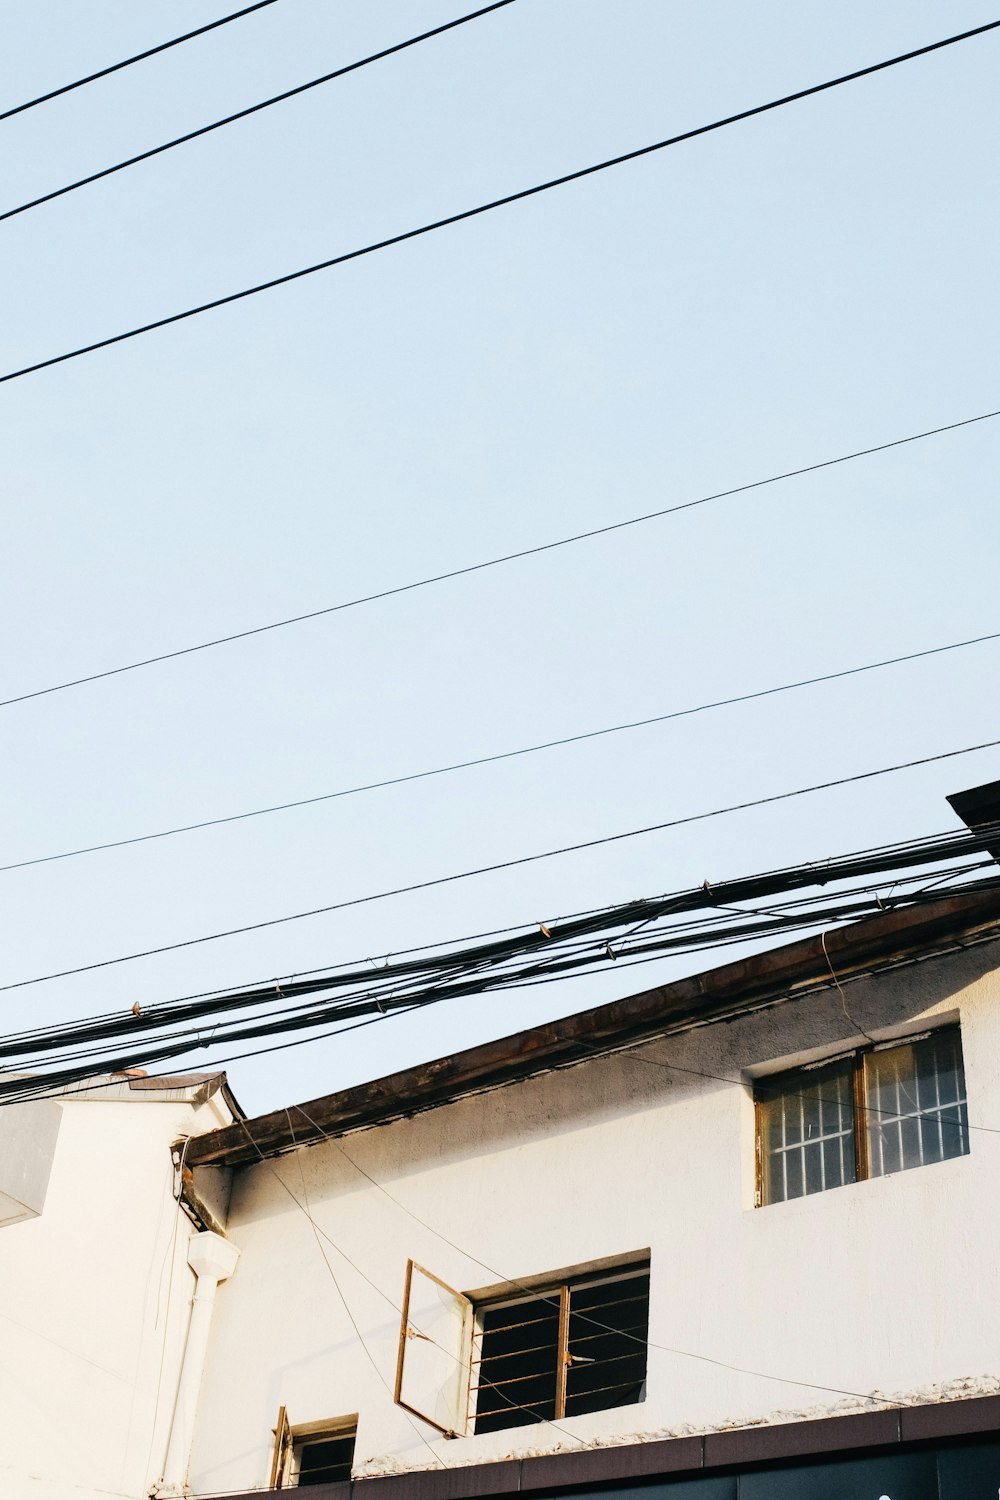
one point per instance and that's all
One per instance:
(316, 1453)
(881, 1109)
(322, 1460)
(574, 1347)
(571, 1345)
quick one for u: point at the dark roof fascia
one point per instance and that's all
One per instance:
(893, 937)
(888, 1430)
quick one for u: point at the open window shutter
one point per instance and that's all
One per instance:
(282, 1443)
(435, 1341)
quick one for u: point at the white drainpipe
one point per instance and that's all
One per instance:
(212, 1259)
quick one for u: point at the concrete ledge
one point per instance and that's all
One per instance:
(673, 1458)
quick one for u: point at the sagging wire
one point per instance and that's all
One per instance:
(452, 976)
(581, 1316)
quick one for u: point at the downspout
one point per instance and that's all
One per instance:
(212, 1259)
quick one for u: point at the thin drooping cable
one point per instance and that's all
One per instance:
(487, 760)
(579, 1316)
(319, 1231)
(840, 992)
(511, 1281)
(242, 114)
(307, 1210)
(495, 203)
(507, 864)
(636, 1057)
(67, 88)
(494, 562)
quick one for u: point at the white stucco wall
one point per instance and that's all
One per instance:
(94, 1297)
(889, 1285)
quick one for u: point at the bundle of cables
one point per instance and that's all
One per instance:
(846, 888)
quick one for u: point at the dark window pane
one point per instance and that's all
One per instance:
(520, 1358)
(915, 1098)
(326, 1460)
(516, 1378)
(608, 1329)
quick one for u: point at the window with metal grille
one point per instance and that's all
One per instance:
(880, 1110)
(572, 1347)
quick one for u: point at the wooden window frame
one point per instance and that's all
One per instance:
(282, 1448)
(549, 1291)
(288, 1439)
(406, 1331)
(858, 1058)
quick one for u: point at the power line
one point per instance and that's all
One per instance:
(494, 203)
(307, 1210)
(127, 62)
(866, 861)
(524, 1287)
(537, 953)
(539, 1296)
(486, 760)
(508, 864)
(904, 848)
(493, 562)
(317, 1231)
(242, 114)
(656, 927)
(20, 1087)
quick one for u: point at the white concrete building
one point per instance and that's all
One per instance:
(774, 1160)
(733, 1238)
(94, 1282)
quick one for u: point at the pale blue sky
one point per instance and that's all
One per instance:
(804, 284)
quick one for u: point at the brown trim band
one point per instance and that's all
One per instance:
(677, 1458)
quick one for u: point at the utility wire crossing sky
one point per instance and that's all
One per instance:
(495, 562)
(252, 109)
(507, 864)
(487, 760)
(127, 62)
(502, 202)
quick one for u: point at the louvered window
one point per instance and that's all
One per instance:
(880, 1110)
